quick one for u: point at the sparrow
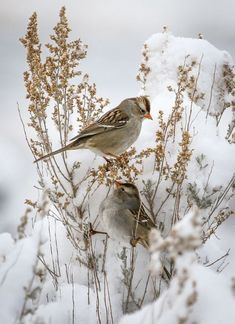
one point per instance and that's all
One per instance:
(124, 216)
(114, 132)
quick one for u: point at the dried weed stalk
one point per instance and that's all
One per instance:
(55, 103)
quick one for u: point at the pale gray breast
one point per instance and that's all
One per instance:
(134, 128)
(116, 222)
(117, 141)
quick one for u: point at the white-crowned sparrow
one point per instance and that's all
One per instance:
(124, 216)
(125, 219)
(114, 132)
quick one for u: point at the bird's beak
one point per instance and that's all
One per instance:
(117, 184)
(148, 116)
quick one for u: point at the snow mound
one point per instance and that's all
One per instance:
(196, 292)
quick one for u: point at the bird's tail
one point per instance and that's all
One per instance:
(62, 149)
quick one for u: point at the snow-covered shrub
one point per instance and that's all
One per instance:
(183, 164)
(196, 294)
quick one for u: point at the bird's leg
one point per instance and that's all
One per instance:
(119, 158)
(93, 232)
(135, 241)
(113, 155)
(109, 164)
(107, 160)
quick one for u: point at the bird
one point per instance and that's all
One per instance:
(113, 133)
(125, 219)
(124, 216)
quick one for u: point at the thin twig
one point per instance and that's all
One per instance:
(211, 91)
(220, 198)
(145, 290)
(132, 269)
(217, 260)
(194, 91)
(110, 304)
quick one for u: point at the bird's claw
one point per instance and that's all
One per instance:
(134, 241)
(93, 232)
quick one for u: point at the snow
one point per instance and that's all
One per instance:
(214, 301)
(70, 305)
(197, 292)
(168, 52)
(16, 272)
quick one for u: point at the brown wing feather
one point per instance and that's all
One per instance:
(142, 217)
(115, 118)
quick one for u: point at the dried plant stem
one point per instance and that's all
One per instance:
(57, 250)
(215, 225)
(220, 198)
(105, 302)
(208, 179)
(164, 201)
(109, 299)
(159, 176)
(211, 92)
(132, 269)
(96, 281)
(194, 92)
(220, 116)
(175, 216)
(105, 253)
(51, 252)
(217, 260)
(145, 290)
(73, 301)
(28, 289)
(51, 272)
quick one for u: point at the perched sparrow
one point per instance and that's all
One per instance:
(124, 216)
(114, 132)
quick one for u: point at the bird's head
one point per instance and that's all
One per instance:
(139, 106)
(128, 192)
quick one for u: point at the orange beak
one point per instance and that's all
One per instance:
(148, 116)
(117, 183)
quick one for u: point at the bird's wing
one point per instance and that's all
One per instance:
(142, 217)
(114, 118)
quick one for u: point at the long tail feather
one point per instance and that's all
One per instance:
(62, 149)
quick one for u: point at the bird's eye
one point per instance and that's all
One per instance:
(142, 111)
(122, 189)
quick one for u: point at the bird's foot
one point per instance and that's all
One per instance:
(134, 241)
(109, 161)
(113, 156)
(108, 165)
(93, 232)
